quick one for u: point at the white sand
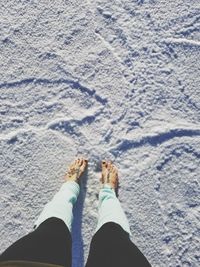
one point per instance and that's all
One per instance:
(103, 79)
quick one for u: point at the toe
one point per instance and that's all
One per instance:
(114, 168)
(103, 164)
(109, 165)
(72, 164)
(83, 164)
(82, 161)
(75, 162)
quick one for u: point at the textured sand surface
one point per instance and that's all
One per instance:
(104, 79)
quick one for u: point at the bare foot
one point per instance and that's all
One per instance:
(109, 174)
(76, 169)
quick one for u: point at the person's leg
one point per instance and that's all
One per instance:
(51, 240)
(49, 243)
(111, 245)
(110, 209)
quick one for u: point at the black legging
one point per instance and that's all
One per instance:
(51, 243)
